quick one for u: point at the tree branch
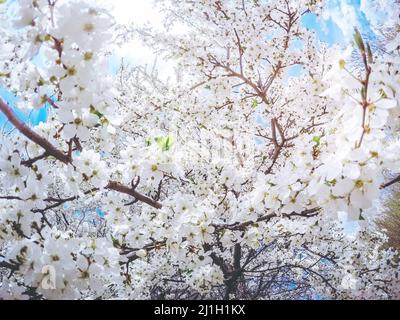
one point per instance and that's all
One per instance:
(66, 158)
(31, 135)
(116, 186)
(391, 182)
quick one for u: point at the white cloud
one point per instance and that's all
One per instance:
(139, 13)
(344, 15)
(380, 12)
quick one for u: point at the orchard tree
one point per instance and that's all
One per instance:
(229, 182)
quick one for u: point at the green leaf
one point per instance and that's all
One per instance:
(369, 53)
(3, 1)
(169, 142)
(254, 104)
(102, 118)
(317, 140)
(188, 271)
(358, 40)
(165, 143)
(331, 183)
(115, 242)
(363, 93)
(382, 93)
(93, 110)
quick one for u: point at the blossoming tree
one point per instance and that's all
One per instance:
(227, 183)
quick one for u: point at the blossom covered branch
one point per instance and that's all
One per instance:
(231, 182)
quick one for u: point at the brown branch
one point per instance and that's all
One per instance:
(10, 198)
(131, 253)
(65, 158)
(116, 186)
(259, 92)
(364, 93)
(273, 129)
(242, 226)
(240, 48)
(7, 265)
(218, 6)
(31, 135)
(391, 182)
(278, 146)
(51, 102)
(29, 163)
(231, 282)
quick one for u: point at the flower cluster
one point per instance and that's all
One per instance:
(231, 182)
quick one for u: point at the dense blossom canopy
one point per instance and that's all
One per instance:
(230, 182)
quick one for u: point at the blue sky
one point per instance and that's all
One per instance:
(34, 116)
